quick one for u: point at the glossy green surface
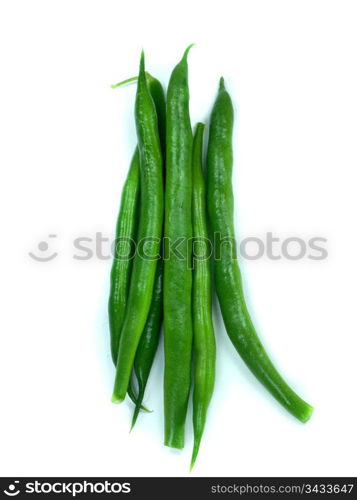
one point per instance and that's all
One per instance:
(149, 234)
(126, 227)
(204, 344)
(149, 340)
(228, 280)
(121, 268)
(147, 347)
(177, 266)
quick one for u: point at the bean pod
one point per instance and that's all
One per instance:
(149, 234)
(204, 344)
(177, 254)
(228, 280)
(122, 262)
(149, 341)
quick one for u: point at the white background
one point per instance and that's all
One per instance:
(66, 141)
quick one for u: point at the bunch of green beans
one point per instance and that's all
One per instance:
(172, 201)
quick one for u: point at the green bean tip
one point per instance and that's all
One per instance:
(142, 60)
(116, 399)
(221, 84)
(307, 414)
(188, 50)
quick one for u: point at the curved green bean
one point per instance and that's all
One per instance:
(228, 280)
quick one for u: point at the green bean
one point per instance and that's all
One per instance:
(127, 223)
(149, 340)
(149, 234)
(204, 345)
(122, 262)
(177, 255)
(235, 314)
(148, 344)
(158, 95)
(126, 228)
